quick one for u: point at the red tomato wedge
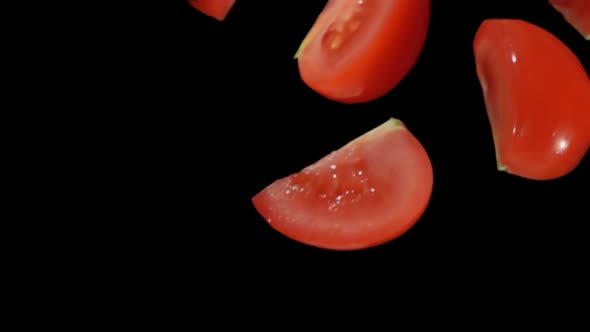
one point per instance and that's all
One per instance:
(217, 9)
(359, 50)
(537, 97)
(576, 13)
(364, 194)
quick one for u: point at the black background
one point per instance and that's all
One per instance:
(233, 116)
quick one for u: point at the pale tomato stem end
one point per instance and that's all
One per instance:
(299, 50)
(304, 44)
(587, 37)
(308, 38)
(395, 123)
(390, 125)
(499, 166)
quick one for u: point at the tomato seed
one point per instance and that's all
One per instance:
(332, 39)
(336, 42)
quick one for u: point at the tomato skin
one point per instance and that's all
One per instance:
(537, 97)
(376, 61)
(576, 13)
(364, 194)
(217, 9)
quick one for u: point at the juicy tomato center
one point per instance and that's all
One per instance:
(346, 25)
(334, 186)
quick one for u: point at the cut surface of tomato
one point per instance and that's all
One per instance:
(217, 9)
(576, 13)
(537, 98)
(364, 194)
(359, 50)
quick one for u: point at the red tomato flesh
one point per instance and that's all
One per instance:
(366, 193)
(217, 9)
(359, 50)
(537, 97)
(576, 13)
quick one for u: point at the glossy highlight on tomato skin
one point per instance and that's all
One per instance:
(576, 13)
(357, 51)
(537, 97)
(364, 194)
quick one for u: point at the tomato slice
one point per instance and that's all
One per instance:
(366, 193)
(537, 97)
(359, 50)
(217, 9)
(576, 13)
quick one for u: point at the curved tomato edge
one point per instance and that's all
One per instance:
(258, 202)
(484, 25)
(217, 12)
(563, 7)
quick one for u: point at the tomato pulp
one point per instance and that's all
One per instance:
(217, 9)
(359, 50)
(537, 97)
(576, 13)
(366, 193)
